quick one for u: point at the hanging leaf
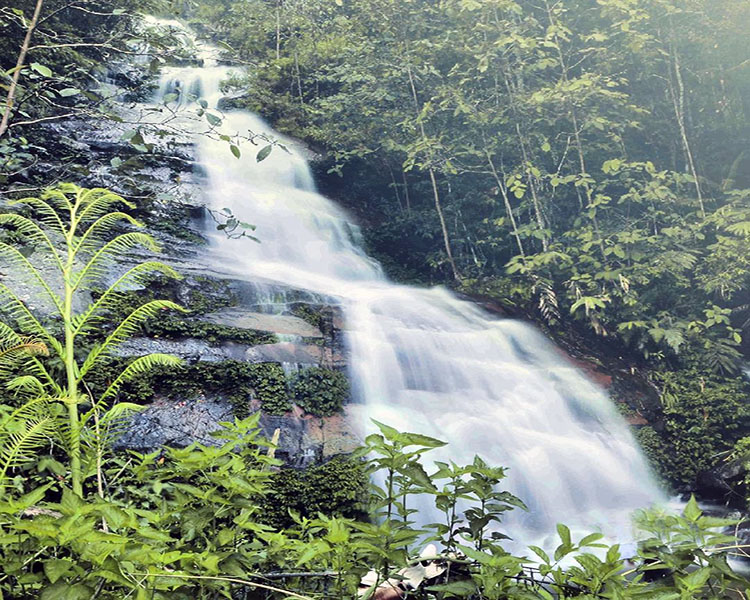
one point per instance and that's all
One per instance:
(41, 69)
(235, 150)
(213, 120)
(264, 152)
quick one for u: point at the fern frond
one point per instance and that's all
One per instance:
(13, 257)
(102, 225)
(27, 360)
(125, 329)
(25, 385)
(136, 275)
(13, 351)
(17, 310)
(25, 347)
(34, 369)
(722, 357)
(741, 229)
(47, 213)
(58, 196)
(32, 232)
(112, 424)
(141, 365)
(97, 202)
(678, 260)
(548, 305)
(19, 447)
(99, 264)
(35, 408)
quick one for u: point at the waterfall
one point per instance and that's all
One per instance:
(421, 359)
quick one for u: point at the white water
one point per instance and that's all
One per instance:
(422, 360)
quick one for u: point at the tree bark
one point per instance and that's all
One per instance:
(576, 134)
(506, 200)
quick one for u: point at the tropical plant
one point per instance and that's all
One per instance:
(76, 236)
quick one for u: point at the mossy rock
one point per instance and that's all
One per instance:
(238, 381)
(320, 392)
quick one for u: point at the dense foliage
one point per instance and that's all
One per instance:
(204, 521)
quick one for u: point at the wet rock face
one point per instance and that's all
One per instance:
(281, 324)
(725, 484)
(303, 441)
(175, 423)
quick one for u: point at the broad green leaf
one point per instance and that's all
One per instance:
(692, 511)
(64, 591)
(54, 568)
(417, 439)
(462, 589)
(696, 580)
(564, 532)
(416, 473)
(263, 153)
(41, 69)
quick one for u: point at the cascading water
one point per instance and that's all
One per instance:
(422, 360)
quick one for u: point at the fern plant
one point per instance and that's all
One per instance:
(78, 233)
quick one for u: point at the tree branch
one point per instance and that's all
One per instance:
(19, 65)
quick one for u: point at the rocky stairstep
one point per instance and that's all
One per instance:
(199, 350)
(281, 324)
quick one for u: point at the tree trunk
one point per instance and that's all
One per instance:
(433, 181)
(576, 134)
(508, 208)
(278, 29)
(678, 102)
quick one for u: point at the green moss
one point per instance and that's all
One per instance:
(310, 314)
(321, 392)
(235, 380)
(174, 327)
(270, 384)
(337, 487)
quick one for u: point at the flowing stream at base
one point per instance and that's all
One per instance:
(422, 360)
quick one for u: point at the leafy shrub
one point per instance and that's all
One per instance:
(704, 415)
(321, 392)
